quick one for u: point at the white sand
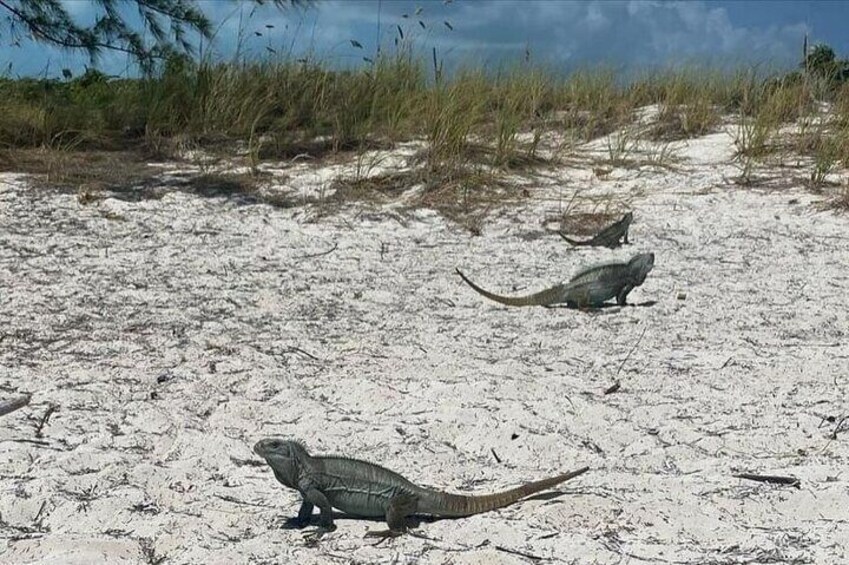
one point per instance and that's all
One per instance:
(172, 334)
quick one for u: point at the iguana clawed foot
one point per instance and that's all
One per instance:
(384, 534)
(314, 536)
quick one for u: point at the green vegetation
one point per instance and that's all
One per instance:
(294, 103)
(473, 125)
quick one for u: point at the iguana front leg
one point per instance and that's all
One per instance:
(623, 294)
(400, 507)
(314, 497)
(302, 520)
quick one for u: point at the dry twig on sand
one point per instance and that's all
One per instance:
(776, 479)
(44, 419)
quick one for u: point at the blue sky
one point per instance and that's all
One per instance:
(627, 34)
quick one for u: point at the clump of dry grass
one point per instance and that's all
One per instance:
(464, 195)
(841, 201)
(840, 113)
(691, 102)
(587, 223)
(764, 108)
(591, 103)
(68, 171)
(377, 188)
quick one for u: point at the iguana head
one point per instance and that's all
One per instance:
(627, 218)
(640, 266)
(284, 456)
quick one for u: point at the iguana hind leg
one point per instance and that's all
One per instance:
(400, 507)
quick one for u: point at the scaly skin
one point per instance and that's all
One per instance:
(611, 236)
(589, 288)
(364, 489)
(8, 406)
(553, 295)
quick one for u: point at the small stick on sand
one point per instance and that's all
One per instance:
(615, 386)
(777, 479)
(530, 556)
(840, 427)
(321, 254)
(293, 349)
(44, 419)
(639, 339)
(8, 406)
(612, 388)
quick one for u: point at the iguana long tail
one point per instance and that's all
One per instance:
(9, 406)
(574, 241)
(457, 505)
(551, 295)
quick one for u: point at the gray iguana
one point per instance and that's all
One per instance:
(589, 288)
(612, 236)
(367, 490)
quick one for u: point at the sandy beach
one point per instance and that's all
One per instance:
(161, 337)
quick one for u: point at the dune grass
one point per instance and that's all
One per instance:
(473, 124)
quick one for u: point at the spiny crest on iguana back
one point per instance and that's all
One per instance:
(591, 271)
(300, 444)
(594, 268)
(301, 448)
(276, 442)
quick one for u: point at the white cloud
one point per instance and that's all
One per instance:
(595, 19)
(633, 32)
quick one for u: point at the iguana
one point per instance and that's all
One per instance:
(609, 236)
(367, 490)
(589, 288)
